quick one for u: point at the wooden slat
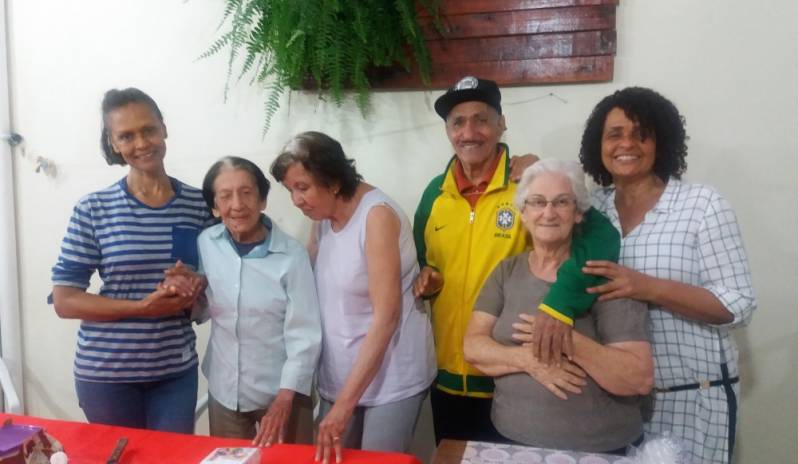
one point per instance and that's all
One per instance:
(452, 7)
(513, 72)
(522, 47)
(523, 22)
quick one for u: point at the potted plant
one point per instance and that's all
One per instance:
(332, 45)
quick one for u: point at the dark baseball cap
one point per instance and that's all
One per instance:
(467, 89)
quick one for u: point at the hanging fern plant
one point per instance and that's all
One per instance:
(330, 44)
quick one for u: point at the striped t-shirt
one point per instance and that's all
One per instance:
(130, 244)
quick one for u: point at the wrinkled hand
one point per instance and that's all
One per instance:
(568, 377)
(179, 279)
(548, 337)
(428, 282)
(519, 163)
(163, 301)
(273, 423)
(623, 282)
(331, 429)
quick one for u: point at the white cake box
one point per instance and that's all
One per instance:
(233, 456)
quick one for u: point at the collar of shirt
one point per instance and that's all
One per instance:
(667, 201)
(274, 243)
(473, 190)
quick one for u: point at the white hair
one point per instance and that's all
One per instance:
(570, 169)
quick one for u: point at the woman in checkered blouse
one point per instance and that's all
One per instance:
(682, 253)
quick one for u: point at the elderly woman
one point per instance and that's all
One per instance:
(377, 360)
(135, 364)
(682, 254)
(261, 298)
(531, 403)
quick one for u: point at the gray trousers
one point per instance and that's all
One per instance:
(387, 427)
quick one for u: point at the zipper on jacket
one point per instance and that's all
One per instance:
(471, 216)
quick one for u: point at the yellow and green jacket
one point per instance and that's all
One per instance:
(465, 244)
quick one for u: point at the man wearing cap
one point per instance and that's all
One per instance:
(464, 226)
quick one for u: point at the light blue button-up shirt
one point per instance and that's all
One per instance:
(265, 323)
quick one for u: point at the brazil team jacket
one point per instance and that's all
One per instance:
(465, 244)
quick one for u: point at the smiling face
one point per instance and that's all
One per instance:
(136, 133)
(315, 200)
(549, 212)
(474, 129)
(627, 151)
(238, 204)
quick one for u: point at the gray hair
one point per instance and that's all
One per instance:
(570, 169)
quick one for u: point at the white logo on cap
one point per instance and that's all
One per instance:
(468, 82)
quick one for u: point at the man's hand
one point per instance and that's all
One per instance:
(548, 337)
(428, 282)
(519, 163)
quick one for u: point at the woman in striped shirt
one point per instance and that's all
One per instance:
(135, 364)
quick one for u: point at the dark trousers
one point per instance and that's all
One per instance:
(462, 417)
(166, 405)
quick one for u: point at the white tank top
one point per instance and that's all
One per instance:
(346, 312)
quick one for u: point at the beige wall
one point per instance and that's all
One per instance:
(730, 66)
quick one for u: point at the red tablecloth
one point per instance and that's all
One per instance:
(93, 443)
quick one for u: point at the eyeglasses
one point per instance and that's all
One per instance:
(561, 203)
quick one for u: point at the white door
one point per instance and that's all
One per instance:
(10, 342)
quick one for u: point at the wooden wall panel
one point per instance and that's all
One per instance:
(482, 6)
(523, 22)
(515, 42)
(523, 47)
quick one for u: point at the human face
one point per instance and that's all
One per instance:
(474, 130)
(627, 151)
(553, 224)
(238, 204)
(314, 199)
(138, 136)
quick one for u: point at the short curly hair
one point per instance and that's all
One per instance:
(658, 118)
(323, 157)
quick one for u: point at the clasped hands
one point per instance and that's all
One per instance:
(559, 377)
(179, 289)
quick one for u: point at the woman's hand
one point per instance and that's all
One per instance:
(331, 429)
(428, 282)
(183, 281)
(162, 302)
(567, 377)
(273, 423)
(623, 282)
(563, 376)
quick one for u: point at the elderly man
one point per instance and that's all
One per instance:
(465, 224)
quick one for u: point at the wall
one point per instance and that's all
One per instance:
(730, 66)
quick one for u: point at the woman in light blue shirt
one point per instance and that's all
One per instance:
(261, 298)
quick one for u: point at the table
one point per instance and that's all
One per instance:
(92, 443)
(471, 452)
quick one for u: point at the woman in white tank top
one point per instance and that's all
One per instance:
(377, 359)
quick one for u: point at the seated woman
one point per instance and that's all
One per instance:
(531, 404)
(261, 298)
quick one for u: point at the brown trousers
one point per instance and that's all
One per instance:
(226, 423)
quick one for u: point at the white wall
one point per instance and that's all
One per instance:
(730, 66)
